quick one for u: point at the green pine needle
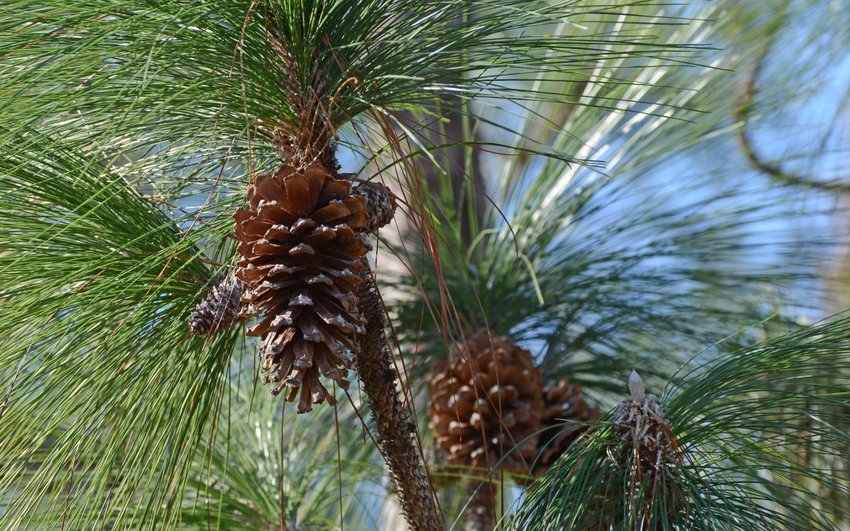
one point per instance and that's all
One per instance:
(764, 436)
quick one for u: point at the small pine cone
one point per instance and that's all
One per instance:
(301, 245)
(651, 451)
(486, 404)
(565, 405)
(220, 309)
(380, 203)
(640, 424)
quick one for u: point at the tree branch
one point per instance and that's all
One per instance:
(395, 427)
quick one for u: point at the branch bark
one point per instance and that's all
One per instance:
(741, 114)
(395, 427)
(481, 512)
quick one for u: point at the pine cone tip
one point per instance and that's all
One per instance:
(637, 389)
(380, 203)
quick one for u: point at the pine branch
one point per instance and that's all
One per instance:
(481, 510)
(742, 111)
(754, 440)
(396, 429)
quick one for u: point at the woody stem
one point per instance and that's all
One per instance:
(481, 512)
(395, 427)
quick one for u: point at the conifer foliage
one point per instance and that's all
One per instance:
(186, 185)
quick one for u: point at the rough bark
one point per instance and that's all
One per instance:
(393, 422)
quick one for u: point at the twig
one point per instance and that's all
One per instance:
(741, 113)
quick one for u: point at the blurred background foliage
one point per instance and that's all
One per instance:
(642, 185)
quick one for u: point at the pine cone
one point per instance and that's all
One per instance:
(640, 424)
(219, 310)
(486, 404)
(380, 203)
(564, 403)
(301, 245)
(650, 451)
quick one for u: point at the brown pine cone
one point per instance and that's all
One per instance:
(380, 203)
(486, 404)
(564, 403)
(220, 309)
(301, 244)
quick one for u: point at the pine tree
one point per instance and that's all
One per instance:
(452, 222)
